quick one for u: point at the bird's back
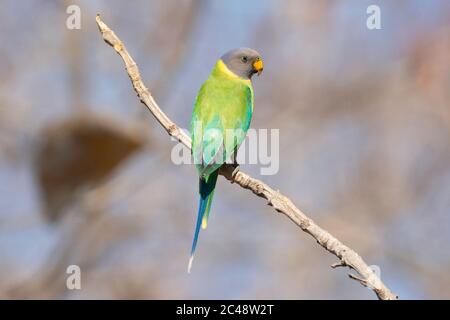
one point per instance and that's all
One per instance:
(222, 115)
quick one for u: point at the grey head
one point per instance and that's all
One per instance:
(244, 62)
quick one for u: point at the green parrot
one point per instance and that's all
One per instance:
(220, 120)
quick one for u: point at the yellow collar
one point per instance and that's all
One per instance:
(222, 67)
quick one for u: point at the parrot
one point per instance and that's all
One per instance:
(220, 119)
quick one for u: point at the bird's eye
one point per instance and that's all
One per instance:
(244, 59)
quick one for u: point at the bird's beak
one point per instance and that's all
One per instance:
(258, 66)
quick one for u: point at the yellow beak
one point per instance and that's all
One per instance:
(258, 66)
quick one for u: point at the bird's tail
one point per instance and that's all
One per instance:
(207, 186)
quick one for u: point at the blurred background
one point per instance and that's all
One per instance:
(85, 170)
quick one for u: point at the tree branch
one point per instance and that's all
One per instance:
(279, 202)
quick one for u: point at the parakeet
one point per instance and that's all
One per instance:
(220, 120)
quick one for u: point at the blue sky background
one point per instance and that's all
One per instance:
(364, 148)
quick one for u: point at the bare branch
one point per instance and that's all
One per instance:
(279, 202)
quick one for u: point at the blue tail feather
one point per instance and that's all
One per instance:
(207, 186)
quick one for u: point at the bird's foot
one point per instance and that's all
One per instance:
(230, 171)
(236, 169)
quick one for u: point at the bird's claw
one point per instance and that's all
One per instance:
(235, 170)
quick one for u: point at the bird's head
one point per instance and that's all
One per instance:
(244, 62)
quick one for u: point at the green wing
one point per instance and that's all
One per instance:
(221, 118)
